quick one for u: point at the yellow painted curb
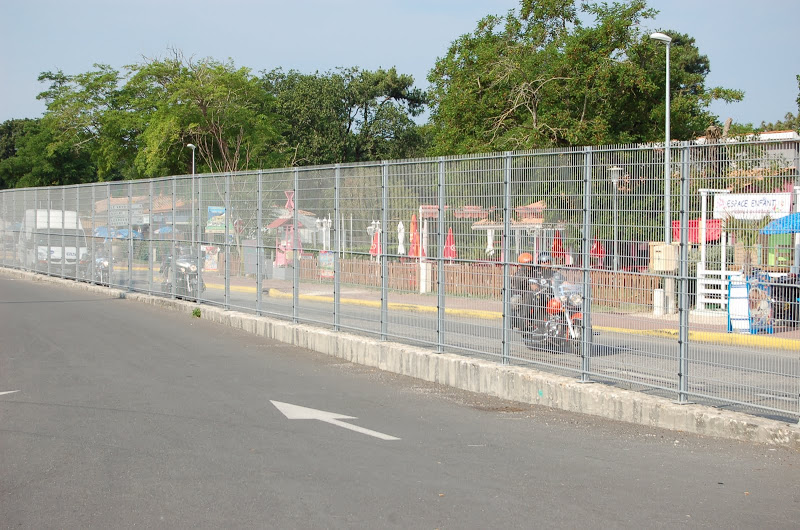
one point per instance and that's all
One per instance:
(486, 315)
(713, 337)
(234, 288)
(729, 339)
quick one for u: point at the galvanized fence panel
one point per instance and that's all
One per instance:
(307, 231)
(694, 299)
(361, 211)
(277, 242)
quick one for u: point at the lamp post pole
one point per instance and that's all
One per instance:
(666, 39)
(669, 283)
(192, 147)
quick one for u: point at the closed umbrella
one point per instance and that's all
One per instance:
(558, 246)
(450, 246)
(414, 251)
(401, 238)
(375, 248)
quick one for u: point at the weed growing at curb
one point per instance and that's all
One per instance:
(196, 312)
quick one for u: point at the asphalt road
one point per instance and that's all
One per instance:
(126, 415)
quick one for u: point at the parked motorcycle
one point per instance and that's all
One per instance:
(102, 269)
(187, 278)
(548, 315)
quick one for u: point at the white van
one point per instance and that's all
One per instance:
(53, 240)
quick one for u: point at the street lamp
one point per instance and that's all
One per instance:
(192, 147)
(615, 174)
(666, 39)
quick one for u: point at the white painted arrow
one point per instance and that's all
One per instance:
(9, 392)
(296, 412)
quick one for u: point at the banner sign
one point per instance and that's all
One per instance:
(325, 265)
(216, 221)
(752, 205)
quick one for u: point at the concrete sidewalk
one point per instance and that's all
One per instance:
(703, 327)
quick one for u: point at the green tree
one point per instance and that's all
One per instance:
(40, 159)
(542, 78)
(220, 108)
(93, 114)
(348, 115)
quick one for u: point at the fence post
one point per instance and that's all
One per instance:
(259, 245)
(586, 336)
(92, 256)
(15, 210)
(199, 232)
(150, 260)
(683, 306)
(64, 232)
(227, 219)
(506, 346)
(295, 252)
(442, 281)
(109, 239)
(78, 246)
(15, 262)
(35, 232)
(383, 253)
(172, 255)
(49, 241)
(337, 232)
(130, 236)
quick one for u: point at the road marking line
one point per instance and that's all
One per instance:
(9, 392)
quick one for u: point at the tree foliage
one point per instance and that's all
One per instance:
(541, 77)
(40, 159)
(221, 109)
(348, 115)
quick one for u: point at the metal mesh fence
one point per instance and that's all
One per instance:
(675, 278)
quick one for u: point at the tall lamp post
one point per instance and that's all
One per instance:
(669, 284)
(666, 39)
(192, 147)
(615, 174)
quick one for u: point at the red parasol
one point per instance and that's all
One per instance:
(598, 251)
(375, 248)
(450, 246)
(558, 247)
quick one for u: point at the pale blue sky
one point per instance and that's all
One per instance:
(751, 44)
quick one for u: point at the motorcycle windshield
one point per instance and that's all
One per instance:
(561, 287)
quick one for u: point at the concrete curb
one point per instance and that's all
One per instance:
(519, 384)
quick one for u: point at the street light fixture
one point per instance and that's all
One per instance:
(666, 39)
(615, 174)
(192, 147)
